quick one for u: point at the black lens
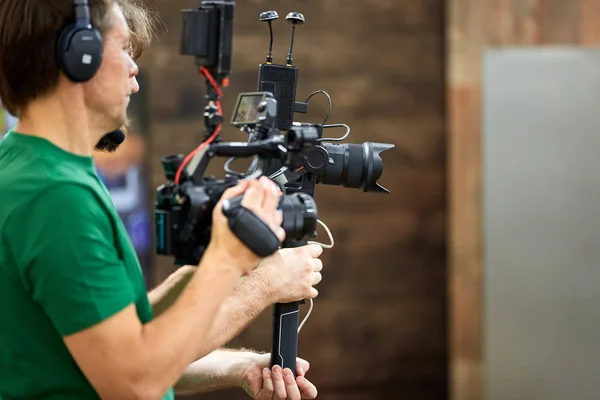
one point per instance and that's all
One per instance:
(299, 216)
(355, 166)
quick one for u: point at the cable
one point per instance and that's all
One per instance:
(187, 159)
(325, 246)
(312, 303)
(327, 117)
(230, 171)
(336, 139)
(328, 98)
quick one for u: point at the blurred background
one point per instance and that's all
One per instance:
(476, 278)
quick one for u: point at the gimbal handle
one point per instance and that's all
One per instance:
(286, 317)
(284, 350)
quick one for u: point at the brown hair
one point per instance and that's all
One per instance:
(142, 25)
(28, 35)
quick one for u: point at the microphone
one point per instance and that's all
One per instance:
(117, 137)
(281, 80)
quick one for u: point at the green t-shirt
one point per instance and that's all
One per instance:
(66, 264)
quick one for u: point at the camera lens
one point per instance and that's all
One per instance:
(355, 166)
(299, 216)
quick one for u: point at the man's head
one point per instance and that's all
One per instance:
(28, 64)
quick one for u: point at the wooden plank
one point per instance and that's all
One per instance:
(465, 245)
(472, 27)
(511, 22)
(559, 22)
(464, 42)
(589, 27)
(465, 37)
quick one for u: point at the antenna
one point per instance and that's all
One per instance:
(269, 17)
(294, 18)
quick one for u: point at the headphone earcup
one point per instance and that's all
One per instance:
(80, 53)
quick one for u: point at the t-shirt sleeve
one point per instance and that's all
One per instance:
(69, 259)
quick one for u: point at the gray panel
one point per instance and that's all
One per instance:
(541, 193)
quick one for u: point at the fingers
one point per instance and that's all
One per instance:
(272, 196)
(271, 202)
(307, 389)
(317, 265)
(254, 197)
(302, 366)
(280, 384)
(317, 278)
(267, 391)
(262, 198)
(279, 392)
(235, 190)
(315, 250)
(293, 392)
(230, 193)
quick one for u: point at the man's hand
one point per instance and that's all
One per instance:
(262, 198)
(264, 383)
(291, 274)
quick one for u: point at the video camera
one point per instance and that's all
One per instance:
(295, 155)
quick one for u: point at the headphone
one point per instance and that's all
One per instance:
(79, 52)
(79, 48)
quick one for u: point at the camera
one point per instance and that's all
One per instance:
(185, 203)
(293, 154)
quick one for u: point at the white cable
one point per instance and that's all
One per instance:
(325, 246)
(307, 315)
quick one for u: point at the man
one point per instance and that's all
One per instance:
(77, 322)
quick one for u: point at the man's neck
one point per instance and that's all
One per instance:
(64, 121)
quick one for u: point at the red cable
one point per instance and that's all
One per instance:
(187, 159)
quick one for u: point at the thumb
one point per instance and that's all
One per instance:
(230, 193)
(235, 190)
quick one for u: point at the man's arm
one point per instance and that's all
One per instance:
(81, 272)
(166, 294)
(221, 369)
(124, 359)
(288, 275)
(252, 295)
(248, 370)
(250, 298)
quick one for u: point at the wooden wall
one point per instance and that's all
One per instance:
(471, 27)
(378, 330)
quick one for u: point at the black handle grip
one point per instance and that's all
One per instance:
(250, 229)
(285, 335)
(286, 317)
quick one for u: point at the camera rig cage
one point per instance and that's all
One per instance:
(295, 155)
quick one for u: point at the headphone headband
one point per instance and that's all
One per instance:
(82, 14)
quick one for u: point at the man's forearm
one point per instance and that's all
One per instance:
(250, 297)
(221, 369)
(179, 335)
(165, 295)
